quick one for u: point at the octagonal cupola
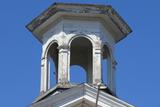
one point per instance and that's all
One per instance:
(78, 34)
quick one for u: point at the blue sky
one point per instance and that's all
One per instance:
(138, 70)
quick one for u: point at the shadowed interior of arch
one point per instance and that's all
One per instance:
(53, 64)
(81, 55)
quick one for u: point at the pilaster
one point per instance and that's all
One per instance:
(97, 66)
(63, 65)
(44, 75)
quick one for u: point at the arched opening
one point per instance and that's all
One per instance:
(52, 60)
(105, 64)
(78, 74)
(81, 55)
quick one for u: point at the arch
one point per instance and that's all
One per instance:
(51, 55)
(81, 54)
(81, 35)
(48, 47)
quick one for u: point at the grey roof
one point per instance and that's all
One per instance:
(79, 92)
(71, 8)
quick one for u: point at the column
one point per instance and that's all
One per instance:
(97, 66)
(44, 75)
(63, 66)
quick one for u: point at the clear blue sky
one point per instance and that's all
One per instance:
(138, 56)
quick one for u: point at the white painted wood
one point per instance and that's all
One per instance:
(79, 95)
(63, 67)
(63, 33)
(44, 75)
(100, 25)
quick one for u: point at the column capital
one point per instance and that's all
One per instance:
(64, 47)
(98, 51)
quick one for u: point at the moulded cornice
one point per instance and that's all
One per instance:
(59, 10)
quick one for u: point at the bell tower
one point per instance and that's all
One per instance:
(83, 35)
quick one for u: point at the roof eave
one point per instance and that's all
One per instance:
(87, 9)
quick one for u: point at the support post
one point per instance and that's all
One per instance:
(63, 67)
(97, 66)
(44, 75)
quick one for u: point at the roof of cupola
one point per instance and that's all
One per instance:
(58, 10)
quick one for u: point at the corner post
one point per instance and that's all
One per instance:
(97, 76)
(44, 75)
(63, 66)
